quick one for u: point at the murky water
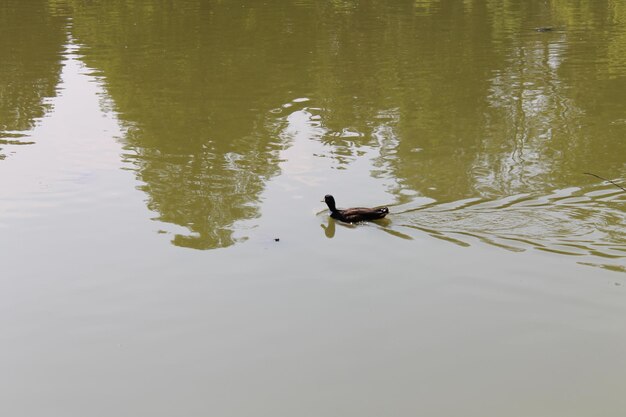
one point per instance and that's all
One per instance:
(164, 249)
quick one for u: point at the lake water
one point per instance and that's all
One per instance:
(163, 245)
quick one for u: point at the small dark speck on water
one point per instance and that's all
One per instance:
(276, 240)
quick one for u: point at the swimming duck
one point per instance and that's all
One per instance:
(356, 214)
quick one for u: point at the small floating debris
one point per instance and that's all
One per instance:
(544, 29)
(604, 179)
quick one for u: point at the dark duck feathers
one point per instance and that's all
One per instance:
(355, 214)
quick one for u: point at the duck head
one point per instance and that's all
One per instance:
(330, 202)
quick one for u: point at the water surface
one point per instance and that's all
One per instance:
(165, 251)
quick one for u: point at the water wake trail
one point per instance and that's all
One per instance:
(588, 223)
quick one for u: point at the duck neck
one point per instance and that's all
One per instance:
(330, 202)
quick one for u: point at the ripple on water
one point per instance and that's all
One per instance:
(575, 222)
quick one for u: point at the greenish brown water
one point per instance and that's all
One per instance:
(152, 151)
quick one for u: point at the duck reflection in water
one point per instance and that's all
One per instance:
(329, 228)
(385, 225)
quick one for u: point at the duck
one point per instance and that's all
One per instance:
(355, 214)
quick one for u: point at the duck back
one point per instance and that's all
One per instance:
(355, 214)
